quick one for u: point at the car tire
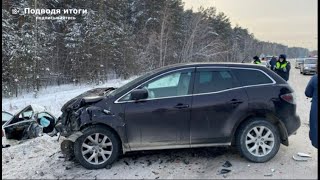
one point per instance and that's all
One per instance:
(97, 151)
(258, 148)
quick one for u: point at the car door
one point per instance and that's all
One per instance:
(162, 120)
(216, 105)
(17, 125)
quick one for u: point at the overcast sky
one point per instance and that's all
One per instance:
(291, 22)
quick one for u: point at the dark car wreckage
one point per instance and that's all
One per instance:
(31, 122)
(182, 106)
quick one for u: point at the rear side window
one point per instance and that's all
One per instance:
(213, 81)
(251, 77)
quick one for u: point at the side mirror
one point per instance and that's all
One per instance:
(138, 94)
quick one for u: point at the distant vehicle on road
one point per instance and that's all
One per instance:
(298, 62)
(308, 66)
(264, 63)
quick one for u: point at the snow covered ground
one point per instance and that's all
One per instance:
(41, 157)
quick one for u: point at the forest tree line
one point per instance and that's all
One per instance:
(117, 39)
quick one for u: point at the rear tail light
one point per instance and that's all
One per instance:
(290, 98)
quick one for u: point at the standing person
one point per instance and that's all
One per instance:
(272, 63)
(283, 67)
(256, 60)
(312, 92)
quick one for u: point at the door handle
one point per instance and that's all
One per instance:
(236, 101)
(181, 106)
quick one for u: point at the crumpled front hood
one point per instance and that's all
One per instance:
(91, 96)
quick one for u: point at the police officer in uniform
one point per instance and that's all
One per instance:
(282, 67)
(256, 60)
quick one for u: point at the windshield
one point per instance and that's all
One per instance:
(299, 60)
(125, 86)
(310, 61)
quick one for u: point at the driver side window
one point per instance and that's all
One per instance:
(174, 84)
(169, 85)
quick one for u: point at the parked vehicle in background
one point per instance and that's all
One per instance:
(183, 106)
(264, 63)
(298, 62)
(308, 66)
(268, 58)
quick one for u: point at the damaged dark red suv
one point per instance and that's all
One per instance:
(183, 106)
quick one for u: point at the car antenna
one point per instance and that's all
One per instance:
(244, 59)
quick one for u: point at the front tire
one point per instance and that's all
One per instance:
(258, 140)
(97, 147)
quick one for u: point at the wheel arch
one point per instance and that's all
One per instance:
(124, 148)
(267, 116)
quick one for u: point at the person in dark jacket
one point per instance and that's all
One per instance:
(273, 62)
(312, 92)
(283, 67)
(256, 60)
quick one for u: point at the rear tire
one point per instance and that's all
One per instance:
(258, 140)
(97, 147)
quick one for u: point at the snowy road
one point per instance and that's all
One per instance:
(40, 158)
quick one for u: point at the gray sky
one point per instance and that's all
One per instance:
(291, 22)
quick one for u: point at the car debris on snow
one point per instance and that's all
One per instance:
(55, 153)
(297, 158)
(186, 161)
(227, 164)
(303, 155)
(40, 173)
(126, 162)
(155, 173)
(224, 171)
(224, 176)
(149, 162)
